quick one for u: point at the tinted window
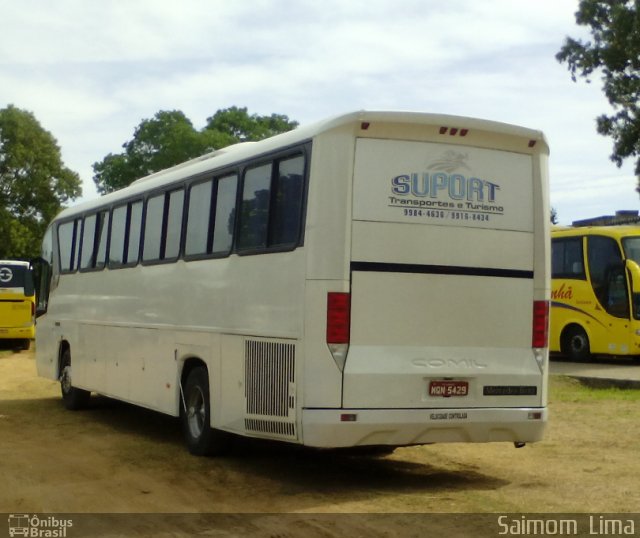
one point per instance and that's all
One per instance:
(67, 242)
(198, 220)
(604, 256)
(287, 207)
(153, 228)
(567, 259)
(631, 246)
(135, 233)
(88, 237)
(174, 225)
(225, 214)
(118, 230)
(254, 212)
(102, 232)
(12, 276)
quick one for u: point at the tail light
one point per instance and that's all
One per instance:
(338, 326)
(540, 324)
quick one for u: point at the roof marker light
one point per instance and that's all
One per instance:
(364, 125)
(532, 143)
(443, 130)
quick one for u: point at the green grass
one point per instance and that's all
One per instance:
(566, 389)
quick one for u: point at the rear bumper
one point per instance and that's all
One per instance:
(401, 427)
(11, 333)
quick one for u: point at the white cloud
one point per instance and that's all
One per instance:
(91, 71)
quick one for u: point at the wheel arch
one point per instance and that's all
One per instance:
(188, 364)
(62, 348)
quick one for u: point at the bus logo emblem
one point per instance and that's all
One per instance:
(5, 274)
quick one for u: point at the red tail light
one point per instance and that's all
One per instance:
(338, 318)
(540, 324)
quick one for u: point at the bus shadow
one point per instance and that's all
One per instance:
(298, 468)
(597, 360)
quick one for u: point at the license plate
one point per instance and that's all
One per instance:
(447, 389)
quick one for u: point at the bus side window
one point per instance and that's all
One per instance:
(617, 298)
(287, 209)
(102, 232)
(271, 210)
(567, 259)
(604, 255)
(69, 245)
(224, 214)
(198, 219)
(88, 241)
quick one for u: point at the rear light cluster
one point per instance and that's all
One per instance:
(339, 326)
(540, 324)
(338, 318)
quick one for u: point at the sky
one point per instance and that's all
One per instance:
(92, 71)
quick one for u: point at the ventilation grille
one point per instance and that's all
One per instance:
(270, 387)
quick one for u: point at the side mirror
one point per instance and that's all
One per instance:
(41, 271)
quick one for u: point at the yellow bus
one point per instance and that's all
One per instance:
(595, 295)
(17, 304)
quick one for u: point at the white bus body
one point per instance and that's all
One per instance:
(399, 308)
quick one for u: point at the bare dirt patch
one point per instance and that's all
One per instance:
(116, 458)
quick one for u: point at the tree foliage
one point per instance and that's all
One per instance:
(170, 138)
(34, 183)
(614, 51)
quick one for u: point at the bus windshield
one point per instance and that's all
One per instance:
(631, 246)
(16, 276)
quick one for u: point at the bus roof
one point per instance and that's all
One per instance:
(245, 150)
(14, 262)
(610, 231)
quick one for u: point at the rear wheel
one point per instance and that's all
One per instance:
(72, 397)
(575, 343)
(201, 439)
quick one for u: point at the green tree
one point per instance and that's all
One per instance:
(34, 183)
(169, 138)
(614, 52)
(241, 127)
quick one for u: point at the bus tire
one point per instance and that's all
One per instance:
(26, 344)
(73, 398)
(200, 437)
(575, 344)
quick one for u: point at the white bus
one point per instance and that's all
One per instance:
(379, 278)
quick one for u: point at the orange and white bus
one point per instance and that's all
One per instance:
(379, 278)
(595, 296)
(17, 303)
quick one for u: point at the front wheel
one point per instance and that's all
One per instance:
(201, 438)
(575, 344)
(72, 397)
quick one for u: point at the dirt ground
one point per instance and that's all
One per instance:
(116, 458)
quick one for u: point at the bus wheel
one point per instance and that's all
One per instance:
(26, 344)
(575, 344)
(201, 439)
(72, 397)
